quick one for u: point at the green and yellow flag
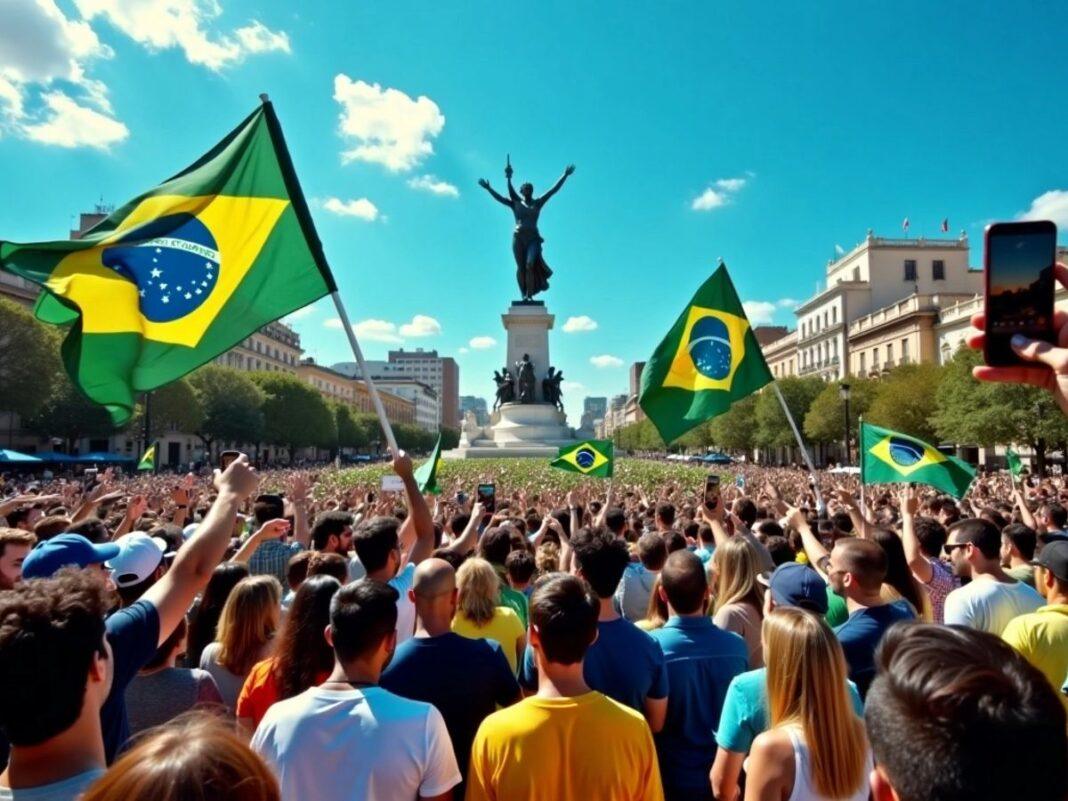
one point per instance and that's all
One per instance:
(1013, 460)
(709, 359)
(426, 477)
(593, 457)
(148, 461)
(182, 273)
(887, 457)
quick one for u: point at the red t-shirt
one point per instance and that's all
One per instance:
(261, 690)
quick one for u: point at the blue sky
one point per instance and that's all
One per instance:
(766, 134)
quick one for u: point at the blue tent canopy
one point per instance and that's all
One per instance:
(55, 456)
(103, 458)
(15, 456)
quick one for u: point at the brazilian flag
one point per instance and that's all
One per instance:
(426, 477)
(148, 461)
(183, 272)
(708, 360)
(887, 457)
(594, 457)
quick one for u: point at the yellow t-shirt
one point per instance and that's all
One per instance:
(505, 628)
(1041, 637)
(586, 748)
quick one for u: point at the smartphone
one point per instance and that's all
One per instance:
(461, 498)
(392, 483)
(711, 492)
(487, 496)
(1018, 264)
(226, 457)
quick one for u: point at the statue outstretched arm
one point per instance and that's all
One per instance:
(496, 196)
(556, 187)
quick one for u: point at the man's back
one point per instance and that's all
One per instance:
(989, 605)
(587, 747)
(1041, 637)
(362, 743)
(635, 589)
(861, 633)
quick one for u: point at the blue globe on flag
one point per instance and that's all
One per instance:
(904, 452)
(174, 261)
(585, 458)
(710, 348)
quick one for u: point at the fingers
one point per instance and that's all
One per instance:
(1035, 376)
(1037, 350)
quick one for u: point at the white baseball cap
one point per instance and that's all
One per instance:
(139, 556)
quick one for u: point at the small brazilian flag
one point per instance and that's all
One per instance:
(708, 360)
(887, 457)
(1013, 460)
(591, 458)
(148, 461)
(183, 272)
(426, 477)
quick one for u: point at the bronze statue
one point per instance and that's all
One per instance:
(550, 388)
(505, 387)
(532, 273)
(524, 371)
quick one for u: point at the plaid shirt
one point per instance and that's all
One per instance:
(272, 558)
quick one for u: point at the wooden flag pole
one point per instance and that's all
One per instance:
(801, 444)
(383, 421)
(860, 460)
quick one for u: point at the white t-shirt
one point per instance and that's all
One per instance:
(989, 605)
(344, 745)
(402, 582)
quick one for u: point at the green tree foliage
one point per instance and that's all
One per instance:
(825, 421)
(232, 405)
(29, 360)
(67, 413)
(640, 436)
(772, 428)
(905, 400)
(412, 438)
(350, 433)
(174, 407)
(736, 429)
(294, 414)
(450, 438)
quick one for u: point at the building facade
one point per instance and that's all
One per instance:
(440, 372)
(781, 355)
(422, 396)
(276, 347)
(473, 403)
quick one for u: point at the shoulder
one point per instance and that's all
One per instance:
(131, 619)
(404, 578)
(621, 714)
(771, 753)
(260, 672)
(748, 683)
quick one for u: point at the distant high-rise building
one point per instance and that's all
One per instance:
(636, 378)
(473, 403)
(595, 406)
(440, 373)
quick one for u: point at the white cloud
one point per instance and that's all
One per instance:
(580, 323)
(428, 183)
(788, 303)
(361, 207)
(68, 124)
(1051, 205)
(377, 331)
(839, 250)
(482, 343)
(759, 312)
(386, 126)
(730, 184)
(605, 361)
(304, 312)
(185, 24)
(708, 200)
(421, 326)
(572, 386)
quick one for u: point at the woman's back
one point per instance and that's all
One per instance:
(504, 627)
(803, 789)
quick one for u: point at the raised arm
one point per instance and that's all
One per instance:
(813, 547)
(496, 196)
(918, 564)
(556, 187)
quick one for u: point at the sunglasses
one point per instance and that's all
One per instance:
(948, 547)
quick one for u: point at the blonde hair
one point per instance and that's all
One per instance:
(735, 563)
(807, 687)
(656, 613)
(248, 622)
(195, 757)
(479, 588)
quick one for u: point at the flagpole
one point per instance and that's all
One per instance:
(801, 445)
(860, 458)
(383, 421)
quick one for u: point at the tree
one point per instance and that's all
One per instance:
(174, 407)
(232, 405)
(772, 428)
(294, 414)
(450, 438)
(825, 421)
(905, 400)
(29, 360)
(350, 433)
(69, 414)
(734, 430)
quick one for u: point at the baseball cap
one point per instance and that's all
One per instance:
(65, 550)
(794, 584)
(139, 556)
(1053, 557)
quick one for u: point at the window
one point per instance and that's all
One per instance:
(904, 351)
(889, 353)
(856, 273)
(910, 269)
(834, 316)
(863, 364)
(874, 358)
(938, 270)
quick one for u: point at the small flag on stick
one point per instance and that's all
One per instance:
(888, 457)
(945, 224)
(426, 477)
(905, 225)
(593, 457)
(148, 461)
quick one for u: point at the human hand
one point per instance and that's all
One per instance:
(845, 497)
(569, 169)
(136, 507)
(483, 183)
(298, 488)
(910, 502)
(1047, 366)
(239, 478)
(795, 518)
(402, 464)
(273, 529)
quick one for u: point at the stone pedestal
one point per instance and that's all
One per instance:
(527, 324)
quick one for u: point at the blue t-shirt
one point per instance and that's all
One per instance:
(624, 663)
(701, 661)
(705, 553)
(134, 636)
(861, 633)
(745, 710)
(465, 679)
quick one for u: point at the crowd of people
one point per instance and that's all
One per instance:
(255, 637)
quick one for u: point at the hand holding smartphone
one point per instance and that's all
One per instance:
(487, 496)
(711, 498)
(226, 458)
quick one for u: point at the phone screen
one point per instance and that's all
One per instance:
(226, 457)
(711, 492)
(1019, 286)
(487, 496)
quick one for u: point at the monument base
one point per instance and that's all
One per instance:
(515, 429)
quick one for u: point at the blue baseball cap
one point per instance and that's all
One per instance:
(65, 550)
(795, 584)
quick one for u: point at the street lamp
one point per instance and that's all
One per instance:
(843, 392)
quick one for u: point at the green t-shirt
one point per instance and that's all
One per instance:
(516, 601)
(837, 612)
(1024, 573)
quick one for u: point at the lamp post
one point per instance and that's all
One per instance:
(843, 392)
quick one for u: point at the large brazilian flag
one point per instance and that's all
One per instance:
(890, 457)
(183, 272)
(709, 359)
